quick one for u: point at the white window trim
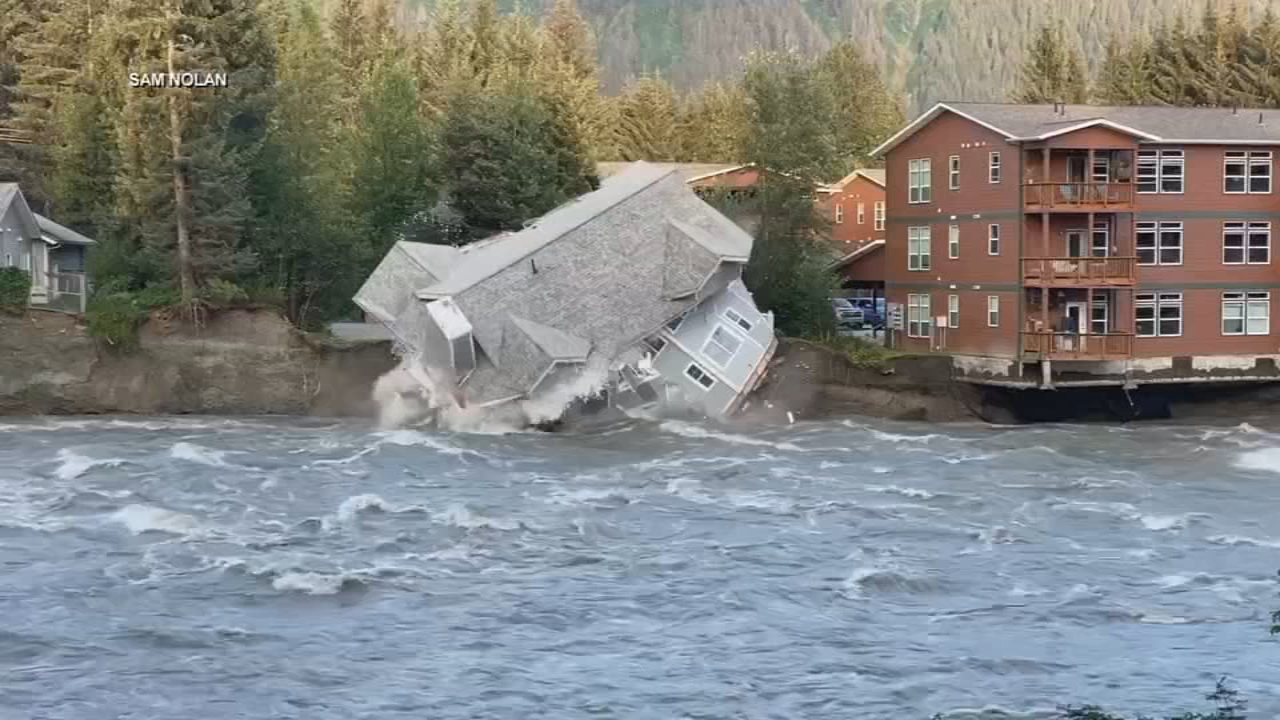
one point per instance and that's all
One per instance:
(993, 311)
(953, 311)
(862, 213)
(705, 374)
(923, 259)
(839, 214)
(995, 169)
(1246, 231)
(737, 320)
(1247, 158)
(879, 215)
(1158, 227)
(923, 306)
(993, 239)
(920, 181)
(953, 172)
(711, 339)
(953, 242)
(1156, 302)
(1246, 300)
(1159, 155)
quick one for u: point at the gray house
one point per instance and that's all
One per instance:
(634, 288)
(54, 255)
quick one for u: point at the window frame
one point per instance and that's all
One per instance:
(953, 311)
(701, 371)
(879, 215)
(953, 241)
(993, 239)
(1245, 232)
(923, 259)
(1157, 160)
(862, 213)
(993, 311)
(731, 353)
(1245, 301)
(1158, 228)
(839, 214)
(995, 168)
(922, 326)
(953, 172)
(1248, 160)
(1156, 302)
(738, 319)
(920, 181)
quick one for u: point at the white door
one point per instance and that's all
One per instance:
(1075, 318)
(1076, 311)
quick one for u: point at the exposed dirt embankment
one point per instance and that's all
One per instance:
(813, 382)
(241, 362)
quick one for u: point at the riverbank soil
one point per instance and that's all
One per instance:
(240, 362)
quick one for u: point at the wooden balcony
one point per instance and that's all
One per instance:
(1079, 271)
(1078, 196)
(1072, 346)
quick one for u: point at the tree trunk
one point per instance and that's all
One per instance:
(186, 277)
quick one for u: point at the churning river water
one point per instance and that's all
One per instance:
(175, 569)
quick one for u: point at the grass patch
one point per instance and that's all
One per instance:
(113, 316)
(15, 289)
(860, 352)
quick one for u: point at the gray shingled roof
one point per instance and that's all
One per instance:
(61, 233)
(731, 243)
(482, 260)
(435, 259)
(1160, 123)
(557, 344)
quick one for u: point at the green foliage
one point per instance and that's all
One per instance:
(223, 294)
(15, 289)
(860, 352)
(1053, 70)
(712, 122)
(865, 112)
(646, 121)
(113, 316)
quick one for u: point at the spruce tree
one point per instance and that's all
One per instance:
(712, 123)
(1051, 71)
(347, 27)
(570, 73)
(865, 111)
(646, 115)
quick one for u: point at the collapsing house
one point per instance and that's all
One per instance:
(634, 289)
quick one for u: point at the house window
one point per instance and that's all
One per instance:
(993, 311)
(655, 343)
(1158, 314)
(8, 260)
(953, 173)
(862, 213)
(721, 346)
(953, 242)
(918, 242)
(1246, 172)
(993, 239)
(736, 318)
(675, 323)
(1101, 312)
(919, 321)
(879, 215)
(839, 214)
(1246, 243)
(919, 181)
(699, 376)
(1160, 171)
(953, 311)
(1159, 243)
(993, 167)
(464, 353)
(1246, 313)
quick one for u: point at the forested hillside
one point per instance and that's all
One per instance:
(930, 49)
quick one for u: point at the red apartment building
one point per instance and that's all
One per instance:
(1047, 245)
(855, 207)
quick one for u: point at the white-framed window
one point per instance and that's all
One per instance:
(919, 319)
(700, 376)
(839, 213)
(993, 239)
(1246, 172)
(993, 311)
(736, 318)
(953, 311)
(1160, 171)
(1246, 313)
(656, 343)
(1246, 243)
(862, 213)
(26, 261)
(1158, 314)
(721, 346)
(879, 214)
(953, 242)
(953, 172)
(993, 168)
(918, 243)
(1100, 322)
(919, 181)
(1159, 243)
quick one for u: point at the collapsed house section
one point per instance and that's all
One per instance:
(633, 290)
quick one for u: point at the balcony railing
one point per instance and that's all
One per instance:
(1074, 346)
(1079, 271)
(64, 291)
(1078, 195)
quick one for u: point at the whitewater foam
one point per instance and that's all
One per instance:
(141, 519)
(73, 464)
(693, 431)
(1267, 459)
(199, 454)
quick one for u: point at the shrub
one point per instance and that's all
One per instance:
(15, 289)
(223, 294)
(113, 319)
(860, 352)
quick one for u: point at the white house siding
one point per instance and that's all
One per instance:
(700, 325)
(13, 242)
(673, 362)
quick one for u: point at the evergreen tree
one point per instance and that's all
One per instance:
(443, 59)
(865, 111)
(712, 123)
(18, 18)
(569, 72)
(1052, 71)
(1125, 75)
(646, 114)
(347, 26)
(486, 40)
(1171, 69)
